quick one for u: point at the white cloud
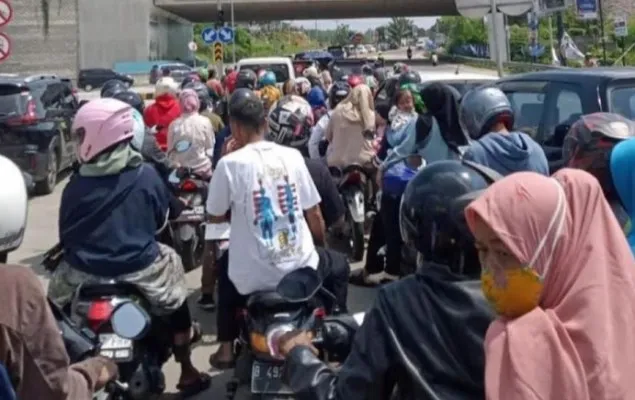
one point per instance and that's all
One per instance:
(360, 24)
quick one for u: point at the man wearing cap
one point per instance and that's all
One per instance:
(275, 218)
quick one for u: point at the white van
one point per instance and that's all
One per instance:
(281, 66)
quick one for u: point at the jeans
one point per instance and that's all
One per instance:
(333, 267)
(389, 212)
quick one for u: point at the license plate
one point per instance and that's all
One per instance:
(198, 210)
(115, 347)
(267, 378)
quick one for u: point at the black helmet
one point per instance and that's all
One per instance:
(246, 79)
(189, 80)
(431, 215)
(589, 142)
(112, 87)
(409, 77)
(133, 98)
(290, 121)
(338, 92)
(367, 69)
(246, 106)
(202, 92)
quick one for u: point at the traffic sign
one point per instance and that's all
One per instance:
(218, 52)
(621, 29)
(5, 47)
(6, 12)
(226, 34)
(192, 46)
(209, 35)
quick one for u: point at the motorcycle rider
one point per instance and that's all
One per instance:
(317, 100)
(195, 130)
(409, 53)
(370, 81)
(102, 241)
(487, 116)
(164, 110)
(302, 87)
(206, 108)
(399, 68)
(270, 235)
(398, 349)
(269, 93)
(294, 133)
(31, 347)
(317, 144)
(112, 87)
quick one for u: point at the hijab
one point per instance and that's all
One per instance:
(442, 101)
(579, 342)
(189, 101)
(622, 168)
(358, 107)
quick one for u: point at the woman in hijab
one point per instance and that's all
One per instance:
(622, 168)
(442, 102)
(351, 130)
(560, 275)
(190, 136)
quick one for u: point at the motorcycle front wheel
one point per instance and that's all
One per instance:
(357, 240)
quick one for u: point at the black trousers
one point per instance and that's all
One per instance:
(385, 231)
(333, 267)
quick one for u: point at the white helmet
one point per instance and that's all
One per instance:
(13, 205)
(166, 85)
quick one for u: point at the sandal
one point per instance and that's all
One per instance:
(193, 388)
(221, 365)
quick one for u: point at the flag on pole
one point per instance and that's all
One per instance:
(569, 49)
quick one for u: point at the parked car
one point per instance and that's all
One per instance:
(348, 66)
(36, 114)
(92, 78)
(178, 71)
(547, 103)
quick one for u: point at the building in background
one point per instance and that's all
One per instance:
(91, 34)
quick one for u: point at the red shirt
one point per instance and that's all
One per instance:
(161, 114)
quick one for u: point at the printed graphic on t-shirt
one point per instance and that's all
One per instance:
(276, 214)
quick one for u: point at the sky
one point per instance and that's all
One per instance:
(361, 24)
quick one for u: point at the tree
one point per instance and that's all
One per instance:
(400, 28)
(342, 35)
(463, 30)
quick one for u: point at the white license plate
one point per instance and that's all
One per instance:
(110, 341)
(198, 210)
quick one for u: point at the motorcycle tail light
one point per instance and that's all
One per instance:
(319, 313)
(258, 343)
(353, 178)
(273, 337)
(98, 313)
(188, 186)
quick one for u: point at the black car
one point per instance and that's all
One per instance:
(92, 78)
(36, 113)
(347, 66)
(547, 103)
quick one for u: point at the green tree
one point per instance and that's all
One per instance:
(342, 35)
(400, 28)
(461, 30)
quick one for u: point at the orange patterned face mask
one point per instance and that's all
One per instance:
(519, 294)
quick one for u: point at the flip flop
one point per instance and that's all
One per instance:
(221, 365)
(193, 388)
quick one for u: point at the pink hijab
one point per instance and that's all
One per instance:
(580, 343)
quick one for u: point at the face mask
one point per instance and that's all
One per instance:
(522, 287)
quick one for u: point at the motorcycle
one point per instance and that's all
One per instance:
(186, 230)
(435, 60)
(353, 184)
(297, 304)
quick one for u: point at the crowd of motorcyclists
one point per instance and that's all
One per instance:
(524, 278)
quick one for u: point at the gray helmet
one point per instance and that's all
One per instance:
(479, 109)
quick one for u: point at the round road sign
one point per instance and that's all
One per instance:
(5, 47)
(6, 12)
(192, 46)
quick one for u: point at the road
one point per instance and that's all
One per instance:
(41, 234)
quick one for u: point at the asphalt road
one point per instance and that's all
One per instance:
(41, 235)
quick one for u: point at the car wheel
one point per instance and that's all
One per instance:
(88, 87)
(47, 185)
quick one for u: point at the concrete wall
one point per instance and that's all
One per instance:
(32, 52)
(169, 38)
(113, 31)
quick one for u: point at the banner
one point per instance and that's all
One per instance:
(569, 49)
(587, 9)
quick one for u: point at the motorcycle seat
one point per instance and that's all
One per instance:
(266, 299)
(103, 289)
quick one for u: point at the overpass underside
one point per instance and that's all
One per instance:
(273, 10)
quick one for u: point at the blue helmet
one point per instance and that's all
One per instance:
(268, 79)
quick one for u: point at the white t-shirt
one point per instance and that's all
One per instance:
(317, 134)
(267, 187)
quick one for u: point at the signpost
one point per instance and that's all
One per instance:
(226, 35)
(6, 12)
(620, 26)
(587, 9)
(218, 52)
(209, 35)
(5, 47)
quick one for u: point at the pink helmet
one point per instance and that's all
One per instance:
(100, 124)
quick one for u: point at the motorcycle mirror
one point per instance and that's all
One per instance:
(182, 145)
(300, 285)
(130, 321)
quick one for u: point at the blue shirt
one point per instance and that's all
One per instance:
(107, 224)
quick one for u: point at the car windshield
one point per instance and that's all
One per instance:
(12, 101)
(280, 70)
(622, 101)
